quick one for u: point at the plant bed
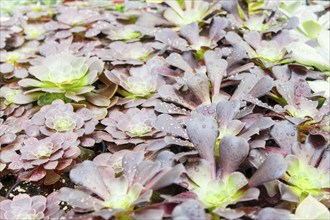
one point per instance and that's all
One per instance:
(169, 109)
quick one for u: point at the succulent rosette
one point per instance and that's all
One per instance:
(46, 158)
(64, 74)
(7, 105)
(126, 53)
(61, 118)
(307, 174)
(188, 11)
(134, 126)
(24, 206)
(125, 33)
(191, 32)
(138, 82)
(14, 63)
(9, 130)
(117, 196)
(218, 186)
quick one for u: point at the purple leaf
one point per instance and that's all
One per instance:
(203, 132)
(264, 85)
(216, 69)
(168, 108)
(285, 134)
(233, 151)
(166, 177)
(189, 209)
(87, 175)
(245, 86)
(169, 93)
(168, 124)
(130, 162)
(190, 32)
(199, 84)
(271, 169)
(176, 60)
(217, 28)
(226, 111)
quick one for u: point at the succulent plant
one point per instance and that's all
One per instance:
(47, 157)
(116, 194)
(61, 118)
(308, 171)
(133, 126)
(195, 11)
(23, 206)
(131, 53)
(66, 74)
(138, 82)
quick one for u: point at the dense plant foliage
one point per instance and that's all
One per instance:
(164, 109)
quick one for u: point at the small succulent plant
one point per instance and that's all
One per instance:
(133, 126)
(61, 118)
(25, 207)
(47, 157)
(195, 11)
(307, 174)
(66, 74)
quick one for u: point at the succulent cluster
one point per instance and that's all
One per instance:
(158, 109)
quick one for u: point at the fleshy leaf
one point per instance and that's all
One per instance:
(177, 60)
(216, 69)
(168, 124)
(189, 209)
(200, 172)
(285, 134)
(272, 168)
(312, 209)
(274, 214)
(202, 131)
(308, 55)
(226, 111)
(86, 174)
(233, 151)
(199, 84)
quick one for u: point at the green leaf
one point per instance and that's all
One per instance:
(308, 56)
(312, 28)
(312, 209)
